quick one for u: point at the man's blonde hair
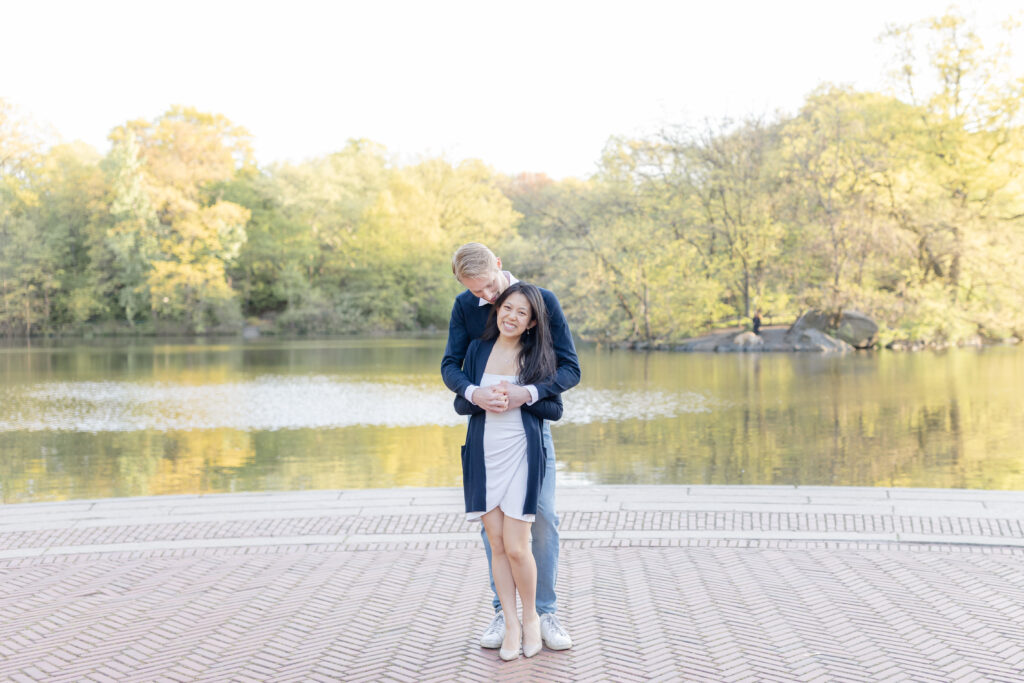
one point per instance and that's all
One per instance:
(473, 260)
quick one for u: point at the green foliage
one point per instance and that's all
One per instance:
(906, 206)
(910, 209)
(173, 238)
(129, 244)
(348, 243)
(49, 206)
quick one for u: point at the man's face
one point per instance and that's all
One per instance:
(488, 286)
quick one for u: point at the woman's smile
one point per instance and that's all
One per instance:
(515, 316)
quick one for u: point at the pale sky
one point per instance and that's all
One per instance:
(524, 86)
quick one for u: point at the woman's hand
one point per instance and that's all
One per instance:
(515, 395)
(493, 398)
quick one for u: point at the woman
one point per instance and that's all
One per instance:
(503, 459)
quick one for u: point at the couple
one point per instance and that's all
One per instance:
(510, 356)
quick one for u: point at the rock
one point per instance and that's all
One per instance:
(708, 343)
(905, 345)
(810, 339)
(770, 339)
(744, 341)
(748, 340)
(811, 319)
(856, 329)
(853, 327)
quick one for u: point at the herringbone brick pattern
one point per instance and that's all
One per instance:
(657, 613)
(795, 596)
(433, 526)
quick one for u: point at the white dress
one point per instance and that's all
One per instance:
(504, 459)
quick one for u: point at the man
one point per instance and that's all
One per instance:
(479, 270)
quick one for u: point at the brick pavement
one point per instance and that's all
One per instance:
(656, 583)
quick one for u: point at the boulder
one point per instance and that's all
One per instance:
(711, 342)
(811, 319)
(748, 340)
(770, 339)
(744, 341)
(810, 339)
(853, 327)
(858, 330)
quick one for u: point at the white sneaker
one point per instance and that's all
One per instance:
(554, 636)
(494, 634)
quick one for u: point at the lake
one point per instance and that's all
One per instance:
(135, 418)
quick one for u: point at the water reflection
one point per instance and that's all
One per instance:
(289, 402)
(135, 419)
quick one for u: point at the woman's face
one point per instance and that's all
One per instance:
(515, 316)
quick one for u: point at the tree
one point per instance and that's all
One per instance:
(730, 175)
(21, 140)
(48, 201)
(72, 191)
(969, 142)
(618, 245)
(131, 241)
(423, 214)
(188, 156)
(190, 282)
(314, 212)
(840, 158)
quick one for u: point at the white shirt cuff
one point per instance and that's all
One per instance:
(469, 392)
(533, 394)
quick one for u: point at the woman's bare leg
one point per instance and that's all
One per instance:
(504, 583)
(516, 542)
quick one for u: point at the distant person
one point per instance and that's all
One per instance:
(476, 267)
(757, 322)
(503, 460)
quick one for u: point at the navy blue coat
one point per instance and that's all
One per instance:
(474, 472)
(467, 323)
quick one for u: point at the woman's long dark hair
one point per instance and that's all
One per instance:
(537, 356)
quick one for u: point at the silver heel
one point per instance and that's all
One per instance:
(509, 655)
(531, 650)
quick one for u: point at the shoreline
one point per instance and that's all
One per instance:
(697, 344)
(771, 336)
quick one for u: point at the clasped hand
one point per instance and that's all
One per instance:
(497, 398)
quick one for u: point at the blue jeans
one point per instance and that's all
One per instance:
(545, 537)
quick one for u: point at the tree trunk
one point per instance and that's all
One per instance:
(645, 307)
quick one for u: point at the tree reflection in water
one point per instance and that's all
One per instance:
(91, 421)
